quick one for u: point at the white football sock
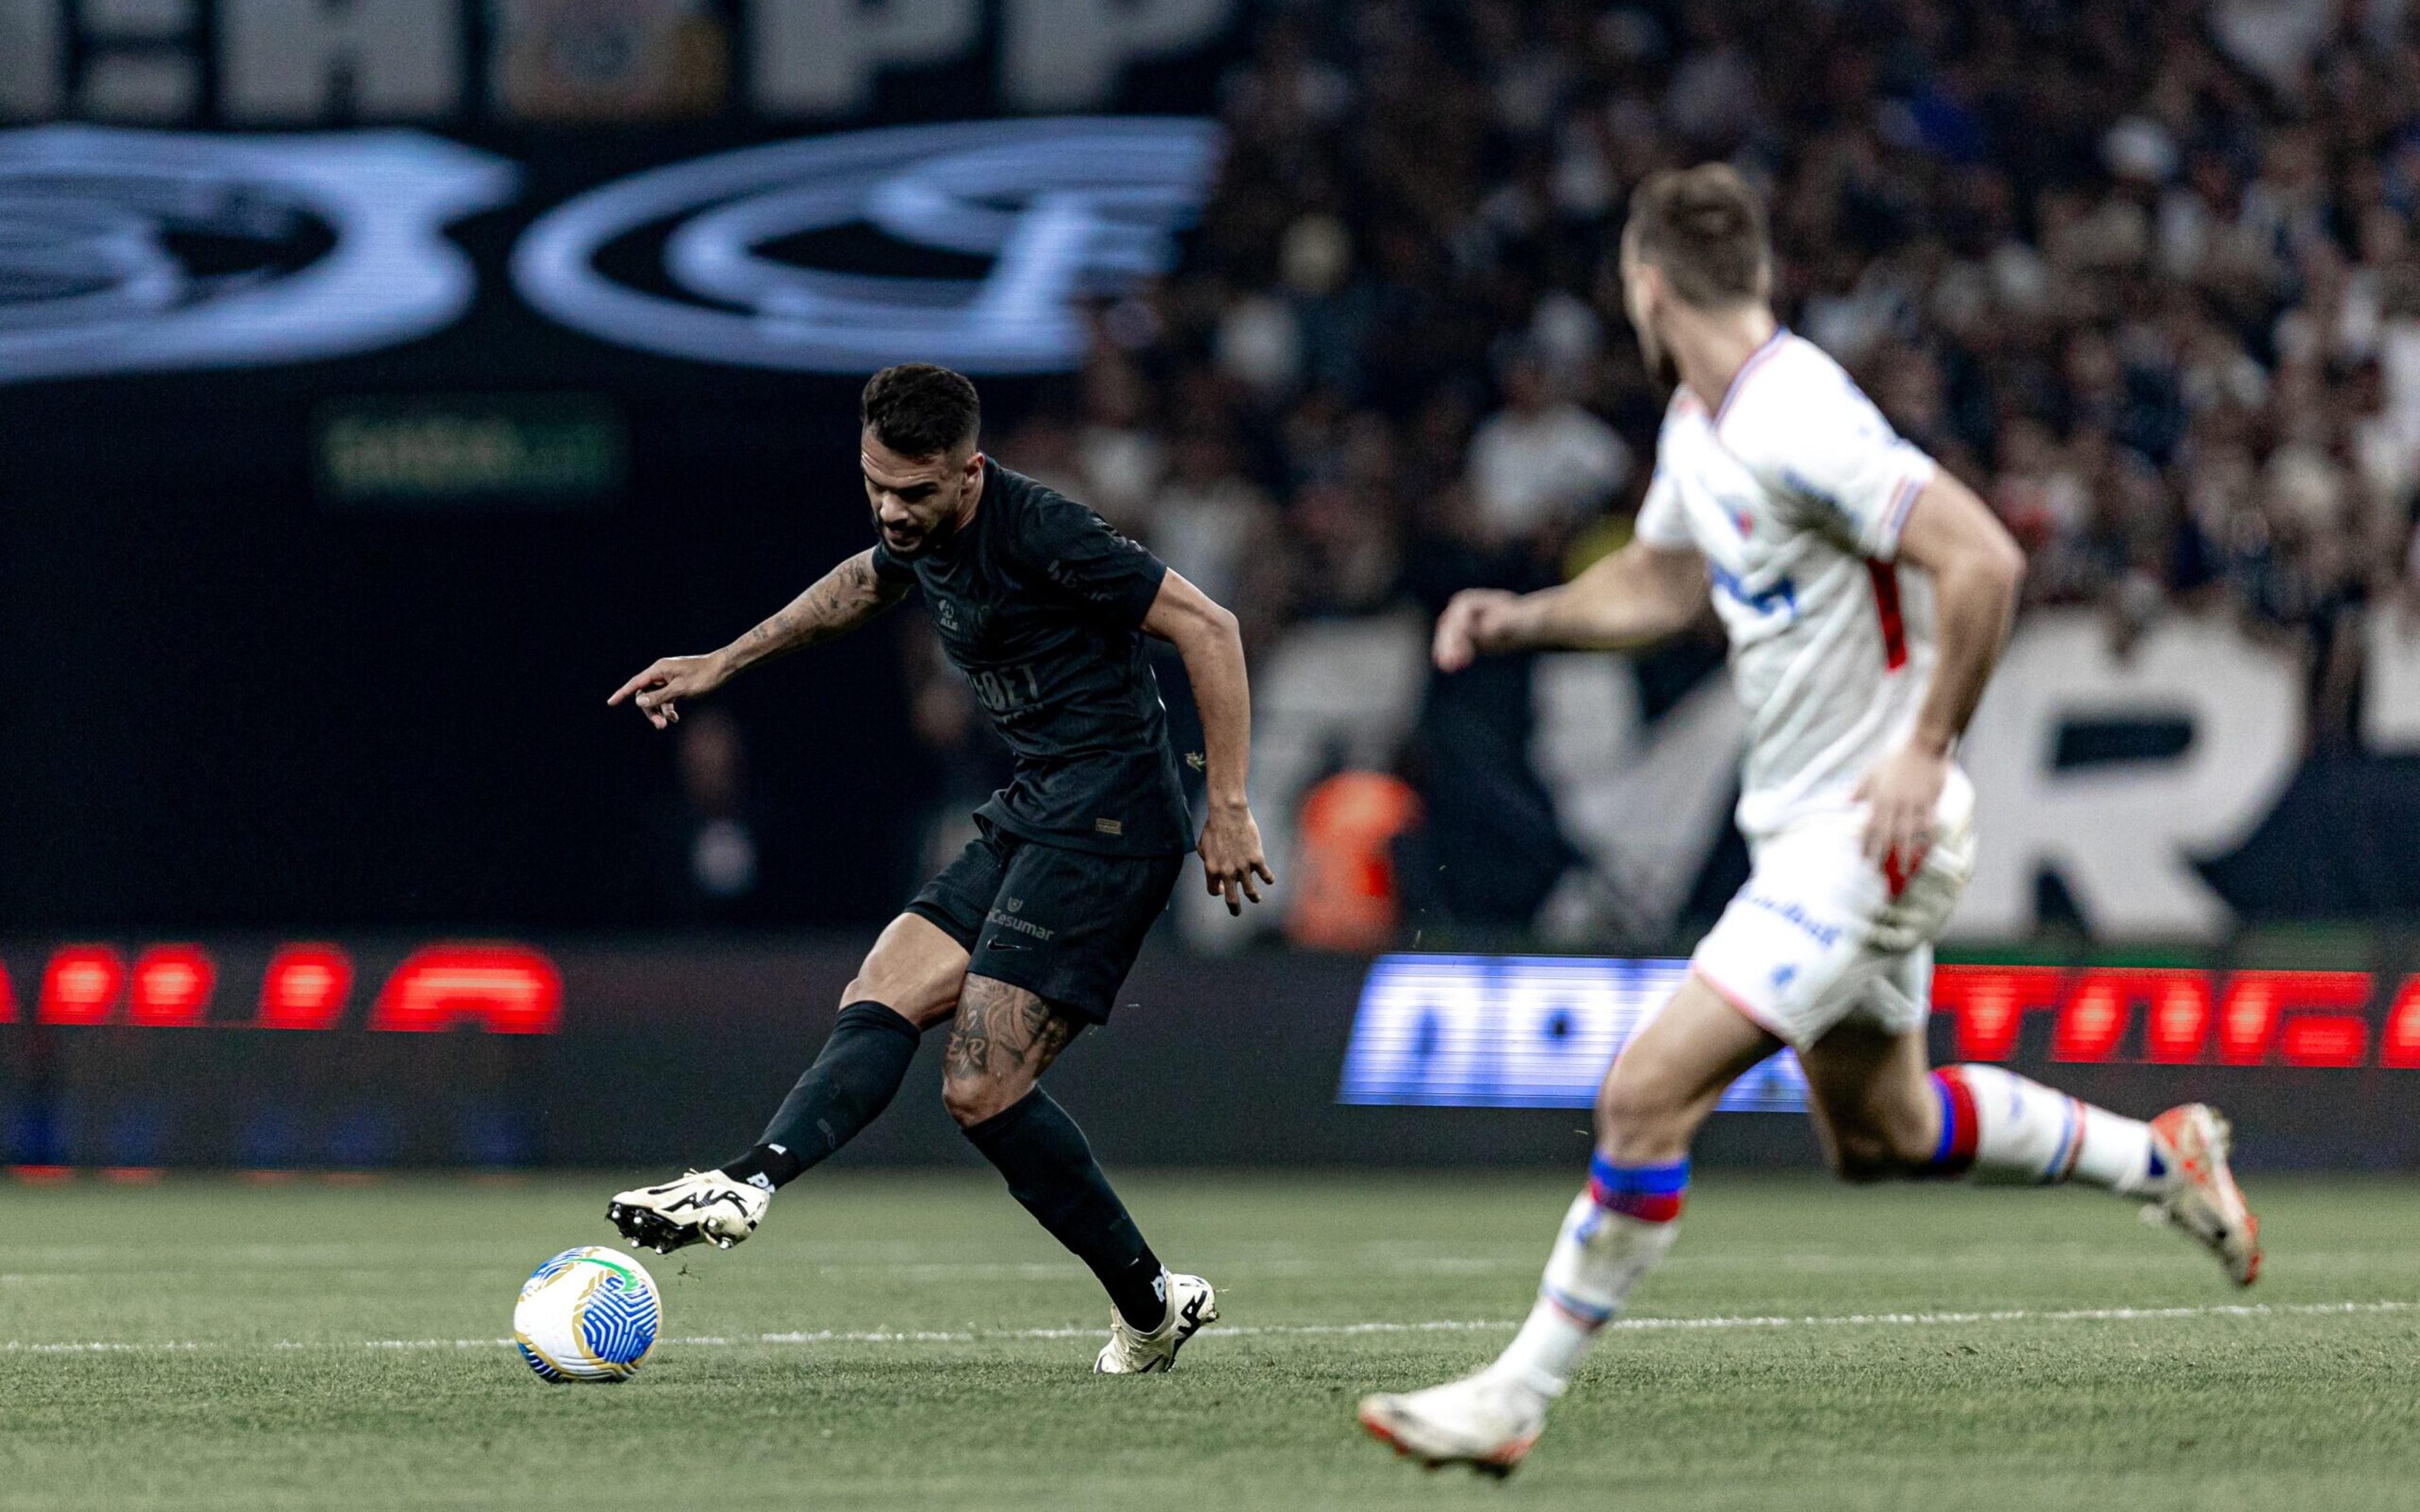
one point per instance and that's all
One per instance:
(2015, 1130)
(1601, 1250)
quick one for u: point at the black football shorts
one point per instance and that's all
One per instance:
(1065, 925)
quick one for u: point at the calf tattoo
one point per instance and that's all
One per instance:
(1003, 1032)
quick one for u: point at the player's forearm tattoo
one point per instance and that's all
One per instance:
(840, 601)
(1001, 1030)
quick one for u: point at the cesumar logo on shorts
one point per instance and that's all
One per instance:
(967, 244)
(1001, 918)
(127, 251)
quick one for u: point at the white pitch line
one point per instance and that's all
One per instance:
(2011, 1315)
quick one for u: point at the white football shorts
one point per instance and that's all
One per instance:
(1819, 937)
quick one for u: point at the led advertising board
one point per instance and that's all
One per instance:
(1538, 1031)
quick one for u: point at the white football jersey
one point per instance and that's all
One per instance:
(1795, 491)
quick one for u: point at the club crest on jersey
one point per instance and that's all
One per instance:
(1780, 596)
(956, 618)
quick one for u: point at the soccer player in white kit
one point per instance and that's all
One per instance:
(1866, 594)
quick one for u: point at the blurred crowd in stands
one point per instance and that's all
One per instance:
(2141, 271)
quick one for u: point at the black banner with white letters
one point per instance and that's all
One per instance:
(282, 64)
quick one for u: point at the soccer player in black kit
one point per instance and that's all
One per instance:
(1023, 940)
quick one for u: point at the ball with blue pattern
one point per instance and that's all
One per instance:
(589, 1314)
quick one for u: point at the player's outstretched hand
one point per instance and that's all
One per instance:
(1231, 856)
(1901, 793)
(1474, 621)
(658, 690)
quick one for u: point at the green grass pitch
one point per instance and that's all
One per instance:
(297, 1346)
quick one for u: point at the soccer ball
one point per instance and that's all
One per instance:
(589, 1314)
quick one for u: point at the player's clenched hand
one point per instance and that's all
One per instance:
(1476, 620)
(658, 690)
(1231, 856)
(1901, 793)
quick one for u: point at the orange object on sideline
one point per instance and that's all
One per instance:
(1344, 895)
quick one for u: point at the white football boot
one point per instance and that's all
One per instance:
(1191, 1307)
(700, 1206)
(2205, 1202)
(1483, 1421)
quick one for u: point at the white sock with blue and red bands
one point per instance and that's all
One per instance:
(2011, 1130)
(1614, 1233)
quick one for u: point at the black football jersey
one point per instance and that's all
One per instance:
(1040, 604)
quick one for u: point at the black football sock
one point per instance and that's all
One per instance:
(852, 1081)
(1051, 1172)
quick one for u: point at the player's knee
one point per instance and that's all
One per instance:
(1912, 1148)
(1879, 1154)
(1863, 1158)
(971, 1099)
(1636, 1121)
(921, 1003)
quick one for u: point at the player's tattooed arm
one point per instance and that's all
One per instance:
(840, 601)
(1638, 593)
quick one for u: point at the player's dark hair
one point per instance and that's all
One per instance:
(918, 410)
(1704, 228)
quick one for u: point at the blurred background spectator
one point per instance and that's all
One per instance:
(2140, 270)
(709, 838)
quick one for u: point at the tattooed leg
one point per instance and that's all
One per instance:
(1002, 1041)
